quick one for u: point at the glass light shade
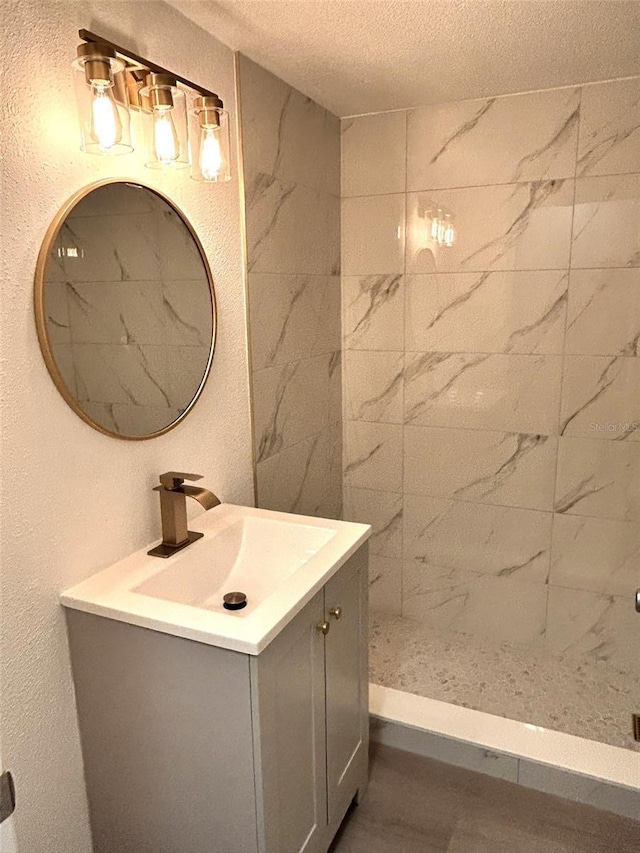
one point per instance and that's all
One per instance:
(103, 101)
(164, 122)
(209, 137)
(449, 231)
(440, 228)
(435, 223)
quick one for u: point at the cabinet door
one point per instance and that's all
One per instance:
(346, 684)
(289, 732)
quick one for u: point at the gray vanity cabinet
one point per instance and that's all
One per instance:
(288, 686)
(311, 716)
(347, 688)
(191, 748)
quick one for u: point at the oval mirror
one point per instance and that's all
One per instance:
(125, 309)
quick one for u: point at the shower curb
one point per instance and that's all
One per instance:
(596, 774)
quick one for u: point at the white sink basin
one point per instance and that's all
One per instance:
(254, 555)
(279, 561)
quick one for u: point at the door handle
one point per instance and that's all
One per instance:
(638, 601)
(336, 612)
(7, 796)
(323, 628)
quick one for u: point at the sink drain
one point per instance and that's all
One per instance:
(234, 601)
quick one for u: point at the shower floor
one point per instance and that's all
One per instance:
(589, 699)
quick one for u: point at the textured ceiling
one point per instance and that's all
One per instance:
(356, 56)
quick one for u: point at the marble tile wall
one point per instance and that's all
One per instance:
(492, 389)
(291, 152)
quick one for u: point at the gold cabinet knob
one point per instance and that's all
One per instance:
(336, 612)
(323, 628)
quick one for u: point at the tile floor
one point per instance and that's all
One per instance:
(417, 805)
(592, 699)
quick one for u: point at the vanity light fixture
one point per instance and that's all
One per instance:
(112, 80)
(103, 101)
(164, 120)
(210, 140)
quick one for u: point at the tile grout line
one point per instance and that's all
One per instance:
(497, 271)
(404, 354)
(343, 342)
(428, 351)
(562, 373)
(462, 187)
(279, 365)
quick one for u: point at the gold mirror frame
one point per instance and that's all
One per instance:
(41, 319)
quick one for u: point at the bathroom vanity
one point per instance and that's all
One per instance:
(212, 731)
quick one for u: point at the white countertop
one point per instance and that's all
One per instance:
(274, 598)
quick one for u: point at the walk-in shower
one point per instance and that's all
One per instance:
(490, 383)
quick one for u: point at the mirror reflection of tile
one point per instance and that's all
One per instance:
(128, 308)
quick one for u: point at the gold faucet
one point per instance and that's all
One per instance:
(173, 511)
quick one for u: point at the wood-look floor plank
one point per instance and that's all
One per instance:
(416, 805)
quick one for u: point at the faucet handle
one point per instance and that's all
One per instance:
(172, 480)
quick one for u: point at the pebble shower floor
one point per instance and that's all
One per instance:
(588, 698)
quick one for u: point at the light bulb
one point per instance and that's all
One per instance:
(211, 160)
(449, 231)
(106, 127)
(449, 236)
(435, 222)
(165, 138)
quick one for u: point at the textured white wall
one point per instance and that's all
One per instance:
(73, 499)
